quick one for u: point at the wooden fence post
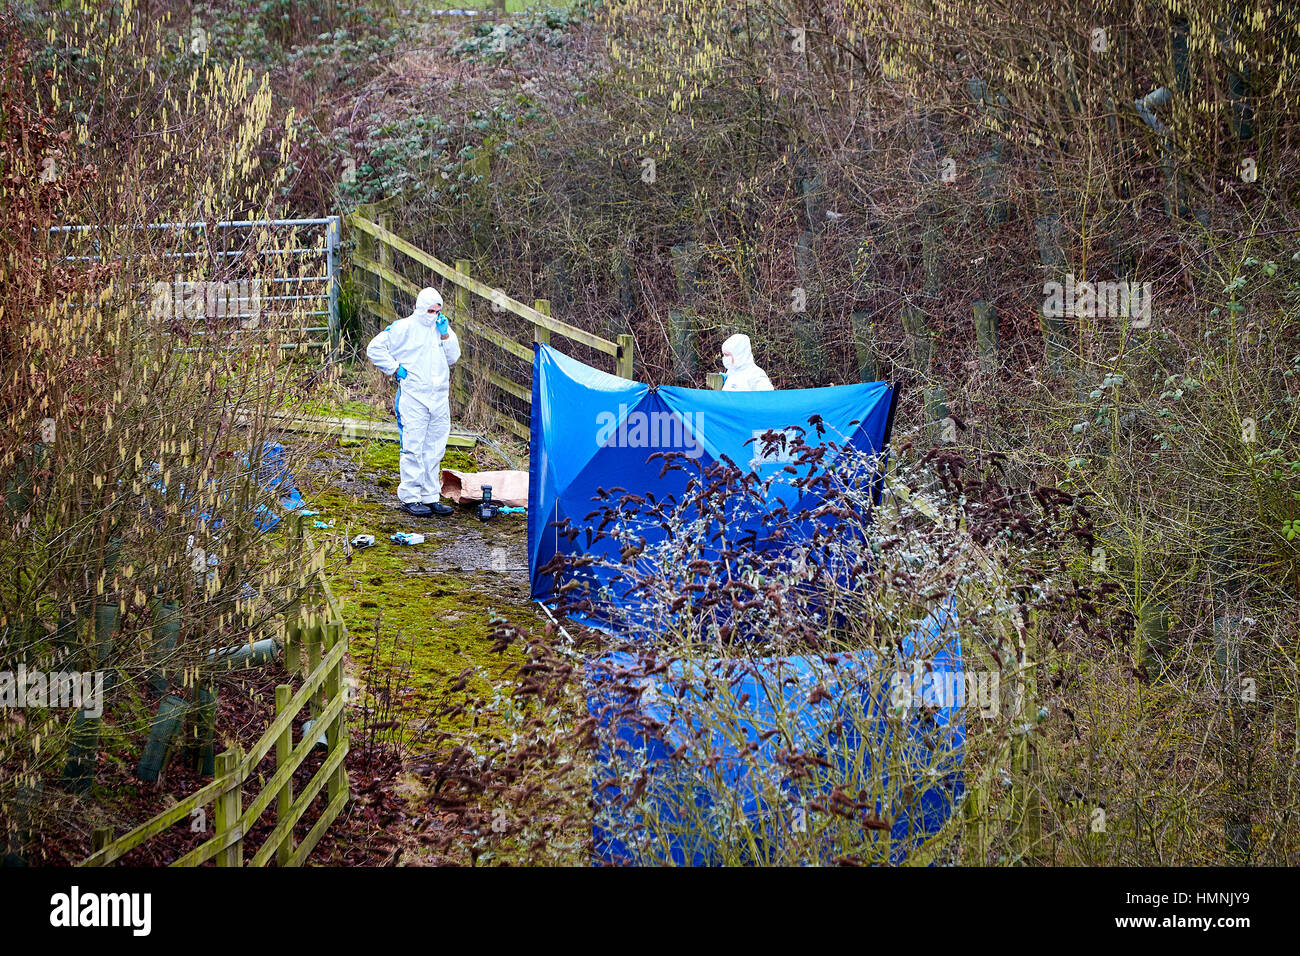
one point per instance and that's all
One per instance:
(292, 645)
(1051, 254)
(295, 546)
(932, 247)
(623, 361)
(919, 332)
(284, 799)
(986, 334)
(863, 330)
(1026, 813)
(939, 423)
(461, 295)
(1017, 812)
(315, 634)
(229, 809)
(1033, 803)
(385, 256)
(365, 249)
(462, 300)
(336, 735)
(682, 317)
(296, 536)
(541, 333)
(100, 838)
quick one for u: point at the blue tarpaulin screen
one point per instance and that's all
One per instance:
(779, 712)
(593, 432)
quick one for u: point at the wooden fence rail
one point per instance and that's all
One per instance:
(376, 256)
(324, 639)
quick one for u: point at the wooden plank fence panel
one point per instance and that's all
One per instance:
(480, 289)
(207, 851)
(284, 772)
(355, 428)
(503, 343)
(284, 797)
(380, 237)
(152, 827)
(313, 836)
(324, 680)
(300, 805)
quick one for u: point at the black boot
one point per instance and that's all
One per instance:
(415, 509)
(438, 508)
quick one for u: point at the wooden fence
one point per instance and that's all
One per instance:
(315, 645)
(485, 352)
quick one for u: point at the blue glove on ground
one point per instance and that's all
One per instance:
(443, 325)
(400, 373)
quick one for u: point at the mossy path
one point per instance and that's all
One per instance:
(421, 617)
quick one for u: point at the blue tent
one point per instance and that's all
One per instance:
(593, 431)
(734, 731)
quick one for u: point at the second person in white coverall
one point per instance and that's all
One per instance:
(743, 375)
(418, 352)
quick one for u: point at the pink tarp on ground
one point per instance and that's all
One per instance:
(508, 487)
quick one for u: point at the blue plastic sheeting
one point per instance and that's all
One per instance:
(731, 722)
(592, 431)
(272, 470)
(272, 473)
(594, 436)
(264, 519)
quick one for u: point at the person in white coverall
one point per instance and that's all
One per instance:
(742, 374)
(418, 352)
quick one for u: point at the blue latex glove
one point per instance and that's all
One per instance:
(400, 373)
(444, 327)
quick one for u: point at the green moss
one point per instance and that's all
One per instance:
(343, 409)
(414, 631)
(409, 626)
(382, 456)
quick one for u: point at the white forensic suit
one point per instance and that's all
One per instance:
(414, 350)
(742, 374)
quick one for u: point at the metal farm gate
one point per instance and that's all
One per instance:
(304, 288)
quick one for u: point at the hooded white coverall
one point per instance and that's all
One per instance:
(742, 374)
(422, 407)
